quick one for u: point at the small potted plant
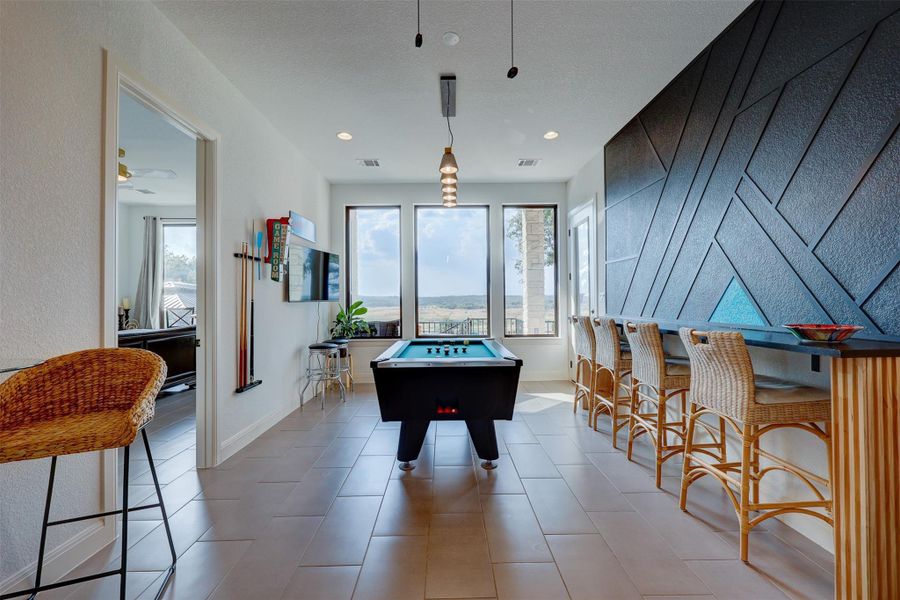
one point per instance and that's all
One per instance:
(349, 323)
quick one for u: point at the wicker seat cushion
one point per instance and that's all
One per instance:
(678, 375)
(780, 401)
(80, 402)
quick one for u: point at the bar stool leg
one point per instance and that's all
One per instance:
(754, 465)
(123, 581)
(165, 515)
(43, 545)
(662, 438)
(686, 463)
(635, 384)
(747, 447)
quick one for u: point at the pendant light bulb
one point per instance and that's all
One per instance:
(449, 203)
(449, 179)
(449, 189)
(449, 197)
(448, 162)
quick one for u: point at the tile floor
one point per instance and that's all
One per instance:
(316, 508)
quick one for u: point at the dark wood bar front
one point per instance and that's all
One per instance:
(865, 460)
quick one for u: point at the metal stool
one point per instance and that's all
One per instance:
(323, 366)
(345, 363)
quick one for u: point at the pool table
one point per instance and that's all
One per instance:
(446, 379)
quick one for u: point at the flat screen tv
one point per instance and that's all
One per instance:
(312, 275)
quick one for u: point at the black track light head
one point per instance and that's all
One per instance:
(418, 40)
(513, 71)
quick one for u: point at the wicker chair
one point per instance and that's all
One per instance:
(654, 382)
(723, 384)
(83, 402)
(584, 362)
(612, 376)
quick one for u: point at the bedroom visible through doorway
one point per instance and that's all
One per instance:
(157, 271)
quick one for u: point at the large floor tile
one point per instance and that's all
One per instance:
(394, 569)
(406, 508)
(652, 566)
(424, 465)
(382, 442)
(529, 581)
(249, 517)
(452, 450)
(314, 493)
(589, 568)
(502, 480)
(295, 463)
(344, 535)
(459, 564)
(557, 510)
(341, 453)
(515, 432)
(626, 476)
(688, 537)
(321, 583)
(735, 580)
(531, 461)
(200, 570)
(369, 476)
(562, 450)
(268, 565)
(320, 435)
(592, 489)
(512, 530)
(455, 490)
(360, 426)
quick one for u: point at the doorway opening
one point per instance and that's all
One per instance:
(582, 271)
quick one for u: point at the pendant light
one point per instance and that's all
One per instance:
(448, 167)
(418, 26)
(513, 69)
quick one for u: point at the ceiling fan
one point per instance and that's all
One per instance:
(125, 175)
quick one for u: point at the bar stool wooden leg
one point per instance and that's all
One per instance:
(662, 436)
(754, 464)
(746, 451)
(633, 409)
(688, 449)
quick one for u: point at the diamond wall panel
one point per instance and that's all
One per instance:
(803, 97)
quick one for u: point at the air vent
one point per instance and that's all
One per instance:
(368, 162)
(528, 162)
(145, 191)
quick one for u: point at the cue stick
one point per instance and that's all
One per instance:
(243, 319)
(252, 299)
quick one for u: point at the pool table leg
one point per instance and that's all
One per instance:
(412, 436)
(484, 437)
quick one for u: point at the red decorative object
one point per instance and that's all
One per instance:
(830, 334)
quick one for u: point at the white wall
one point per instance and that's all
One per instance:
(131, 240)
(51, 90)
(587, 185)
(543, 358)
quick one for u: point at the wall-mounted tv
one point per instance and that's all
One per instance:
(312, 275)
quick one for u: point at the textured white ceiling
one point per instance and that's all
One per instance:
(152, 142)
(316, 68)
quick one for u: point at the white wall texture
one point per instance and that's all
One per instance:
(545, 358)
(51, 91)
(797, 446)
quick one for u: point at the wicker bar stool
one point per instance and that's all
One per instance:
(612, 376)
(585, 349)
(723, 384)
(655, 381)
(322, 367)
(83, 402)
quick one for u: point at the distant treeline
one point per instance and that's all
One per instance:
(472, 301)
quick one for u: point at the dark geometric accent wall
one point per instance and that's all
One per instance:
(766, 176)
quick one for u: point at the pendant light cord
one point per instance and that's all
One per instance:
(448, 114)
(418, 21)
(512, 49)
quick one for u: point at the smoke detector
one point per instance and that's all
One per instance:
(368, 162)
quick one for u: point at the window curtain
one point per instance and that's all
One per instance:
(149, 289)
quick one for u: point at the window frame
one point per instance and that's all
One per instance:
(555, 208)
(487, 213)
(347, 211)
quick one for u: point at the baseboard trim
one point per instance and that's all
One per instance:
(63, 558)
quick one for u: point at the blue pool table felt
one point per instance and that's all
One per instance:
(475, 349)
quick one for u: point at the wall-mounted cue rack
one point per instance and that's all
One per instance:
(246, 379)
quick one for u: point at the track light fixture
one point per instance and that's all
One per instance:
(513, 69)
(418, 25)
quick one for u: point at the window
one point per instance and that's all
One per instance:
(373, 266)
(179, 272)
(529, 270)
(452, 279)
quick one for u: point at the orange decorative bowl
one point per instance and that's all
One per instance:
(830, 334)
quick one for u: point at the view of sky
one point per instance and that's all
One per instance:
(378, 251)
(452, 251)
(181, 240)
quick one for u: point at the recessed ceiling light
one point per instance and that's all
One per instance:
(345, 136)
(551, 135)
(451, 38)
